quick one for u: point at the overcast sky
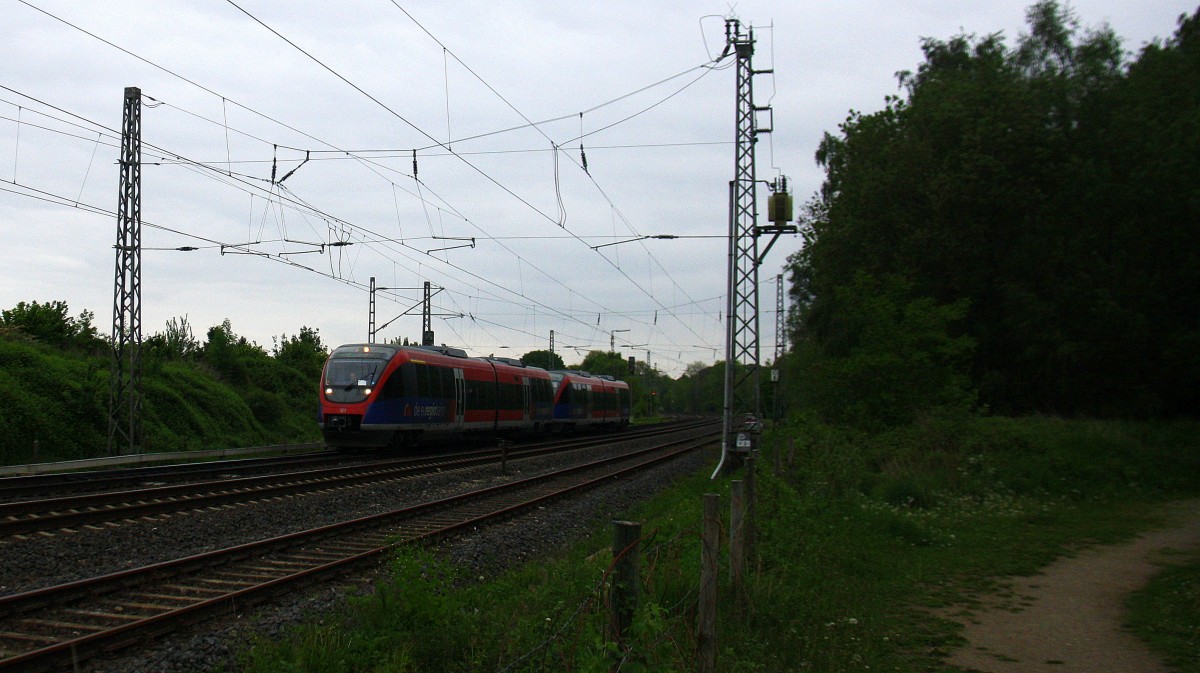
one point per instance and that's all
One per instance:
(227, 101)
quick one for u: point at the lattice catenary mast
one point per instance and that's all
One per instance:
(427, 335)
(742, 379)
(125, 381)
(741, 342)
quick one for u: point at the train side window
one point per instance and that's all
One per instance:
(394, 387)
(435, 382)
(511, 396)
(422, 380)
(481, 394)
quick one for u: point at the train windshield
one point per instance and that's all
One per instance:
(353, 373)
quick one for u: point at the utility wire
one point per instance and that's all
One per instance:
(224, 99)
(395, 114)
(414, 127)
(556, 146)
(245, 184)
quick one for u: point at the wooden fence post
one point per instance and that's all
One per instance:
(710, 547)
(737, 534)
(626, 581)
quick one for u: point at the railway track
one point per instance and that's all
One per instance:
(60, 626)
(38, 485)
(114, 507)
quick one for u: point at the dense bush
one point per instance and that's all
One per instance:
(54, 388)
(1047, 191)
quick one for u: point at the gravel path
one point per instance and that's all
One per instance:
(1069, 617)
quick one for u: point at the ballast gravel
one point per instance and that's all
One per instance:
(213, 645)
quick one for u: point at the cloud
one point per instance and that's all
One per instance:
(659, 160)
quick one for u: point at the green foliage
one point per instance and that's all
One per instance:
(601, 362)
(862, 537)
(544, 359)
(1166, 613)
(54, 400)
(176, 342)
(1046, 186)
(184, 408)
(304, 352)
(51, 324)
(230, 355)
(701, 389)
(885, 357)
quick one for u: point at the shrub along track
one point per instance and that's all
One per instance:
(90, 509)
(56, 625)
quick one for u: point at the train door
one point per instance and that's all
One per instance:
(460, 398)
(526, 402)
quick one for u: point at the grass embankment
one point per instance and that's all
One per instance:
(862, 539)
(54, 404)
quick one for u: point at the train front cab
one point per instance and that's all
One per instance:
(349, 381)
(585, 400)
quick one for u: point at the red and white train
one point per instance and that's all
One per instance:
(377, 395)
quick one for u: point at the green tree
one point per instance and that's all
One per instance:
(605, 362)
(1047, 186)
(701, 389)
(888, 357)
(230, 355)
(304, 352)
(544, 359)
(175, 342)
(51, 323)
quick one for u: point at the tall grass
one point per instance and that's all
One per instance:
(1167, 615)
(865, 543)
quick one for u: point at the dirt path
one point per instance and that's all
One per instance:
(1068, 618)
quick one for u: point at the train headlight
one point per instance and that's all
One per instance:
(329, 391)
(366, 391)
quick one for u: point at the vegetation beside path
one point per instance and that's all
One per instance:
(861, 538)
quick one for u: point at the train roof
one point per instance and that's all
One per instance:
(583, 374)
(390, 350)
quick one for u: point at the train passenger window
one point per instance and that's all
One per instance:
(511, 396)
(394, 386)
(422, 380)
(481, 394)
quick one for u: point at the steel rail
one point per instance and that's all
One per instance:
(15, 487)
(301, 556)
(24, 517)
(23, 486)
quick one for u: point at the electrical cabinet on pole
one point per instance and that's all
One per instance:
(125, 378)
